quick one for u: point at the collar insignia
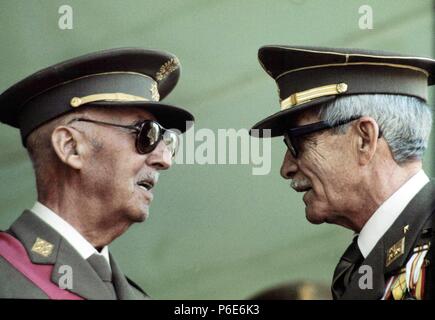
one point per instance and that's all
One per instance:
(42, 247)
(395, 251)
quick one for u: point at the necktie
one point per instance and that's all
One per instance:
(101, 267)
(345, 268)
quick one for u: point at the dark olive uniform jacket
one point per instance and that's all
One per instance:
(86, 282)
(416, 225)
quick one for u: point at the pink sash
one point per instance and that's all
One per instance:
(14, 252)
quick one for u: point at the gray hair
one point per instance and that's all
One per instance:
(405, 122)
(42, 154)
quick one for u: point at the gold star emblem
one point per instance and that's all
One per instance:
(42, 247)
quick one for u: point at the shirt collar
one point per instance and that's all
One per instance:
(67, 231)
(388, 212)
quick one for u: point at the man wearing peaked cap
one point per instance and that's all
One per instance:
(356, 125)
(98, 137)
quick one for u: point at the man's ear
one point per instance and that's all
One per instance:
(68, 145)
(367, 132)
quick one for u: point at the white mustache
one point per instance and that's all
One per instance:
(151, 176)
(300, 184)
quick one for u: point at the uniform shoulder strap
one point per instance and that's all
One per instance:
(14, 252)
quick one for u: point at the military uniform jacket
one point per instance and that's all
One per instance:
(410, 235)
(86, 283)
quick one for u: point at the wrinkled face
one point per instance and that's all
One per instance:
(117, 177)
(325, 170)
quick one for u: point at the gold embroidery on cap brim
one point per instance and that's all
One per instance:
(167, 68)
(118, 96)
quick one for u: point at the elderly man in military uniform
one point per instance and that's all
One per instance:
(98, 137)
(356, 125)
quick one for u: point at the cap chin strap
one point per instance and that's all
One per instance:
(301, 97)
(118, 96)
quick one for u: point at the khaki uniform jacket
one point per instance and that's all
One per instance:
(85, 281)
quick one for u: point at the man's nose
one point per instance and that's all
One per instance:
(289, 166)
(160, 158)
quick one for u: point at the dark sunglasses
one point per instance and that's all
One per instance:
(292, 137)
(148, 134)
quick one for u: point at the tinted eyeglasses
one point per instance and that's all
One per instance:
(292, 137)
(148, 134)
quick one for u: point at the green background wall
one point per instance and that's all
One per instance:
(215, 231)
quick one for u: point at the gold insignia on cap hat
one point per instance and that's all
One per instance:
(308, 95)
(167, 68)
(42, 247)
(78, 101)
(395, 251)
